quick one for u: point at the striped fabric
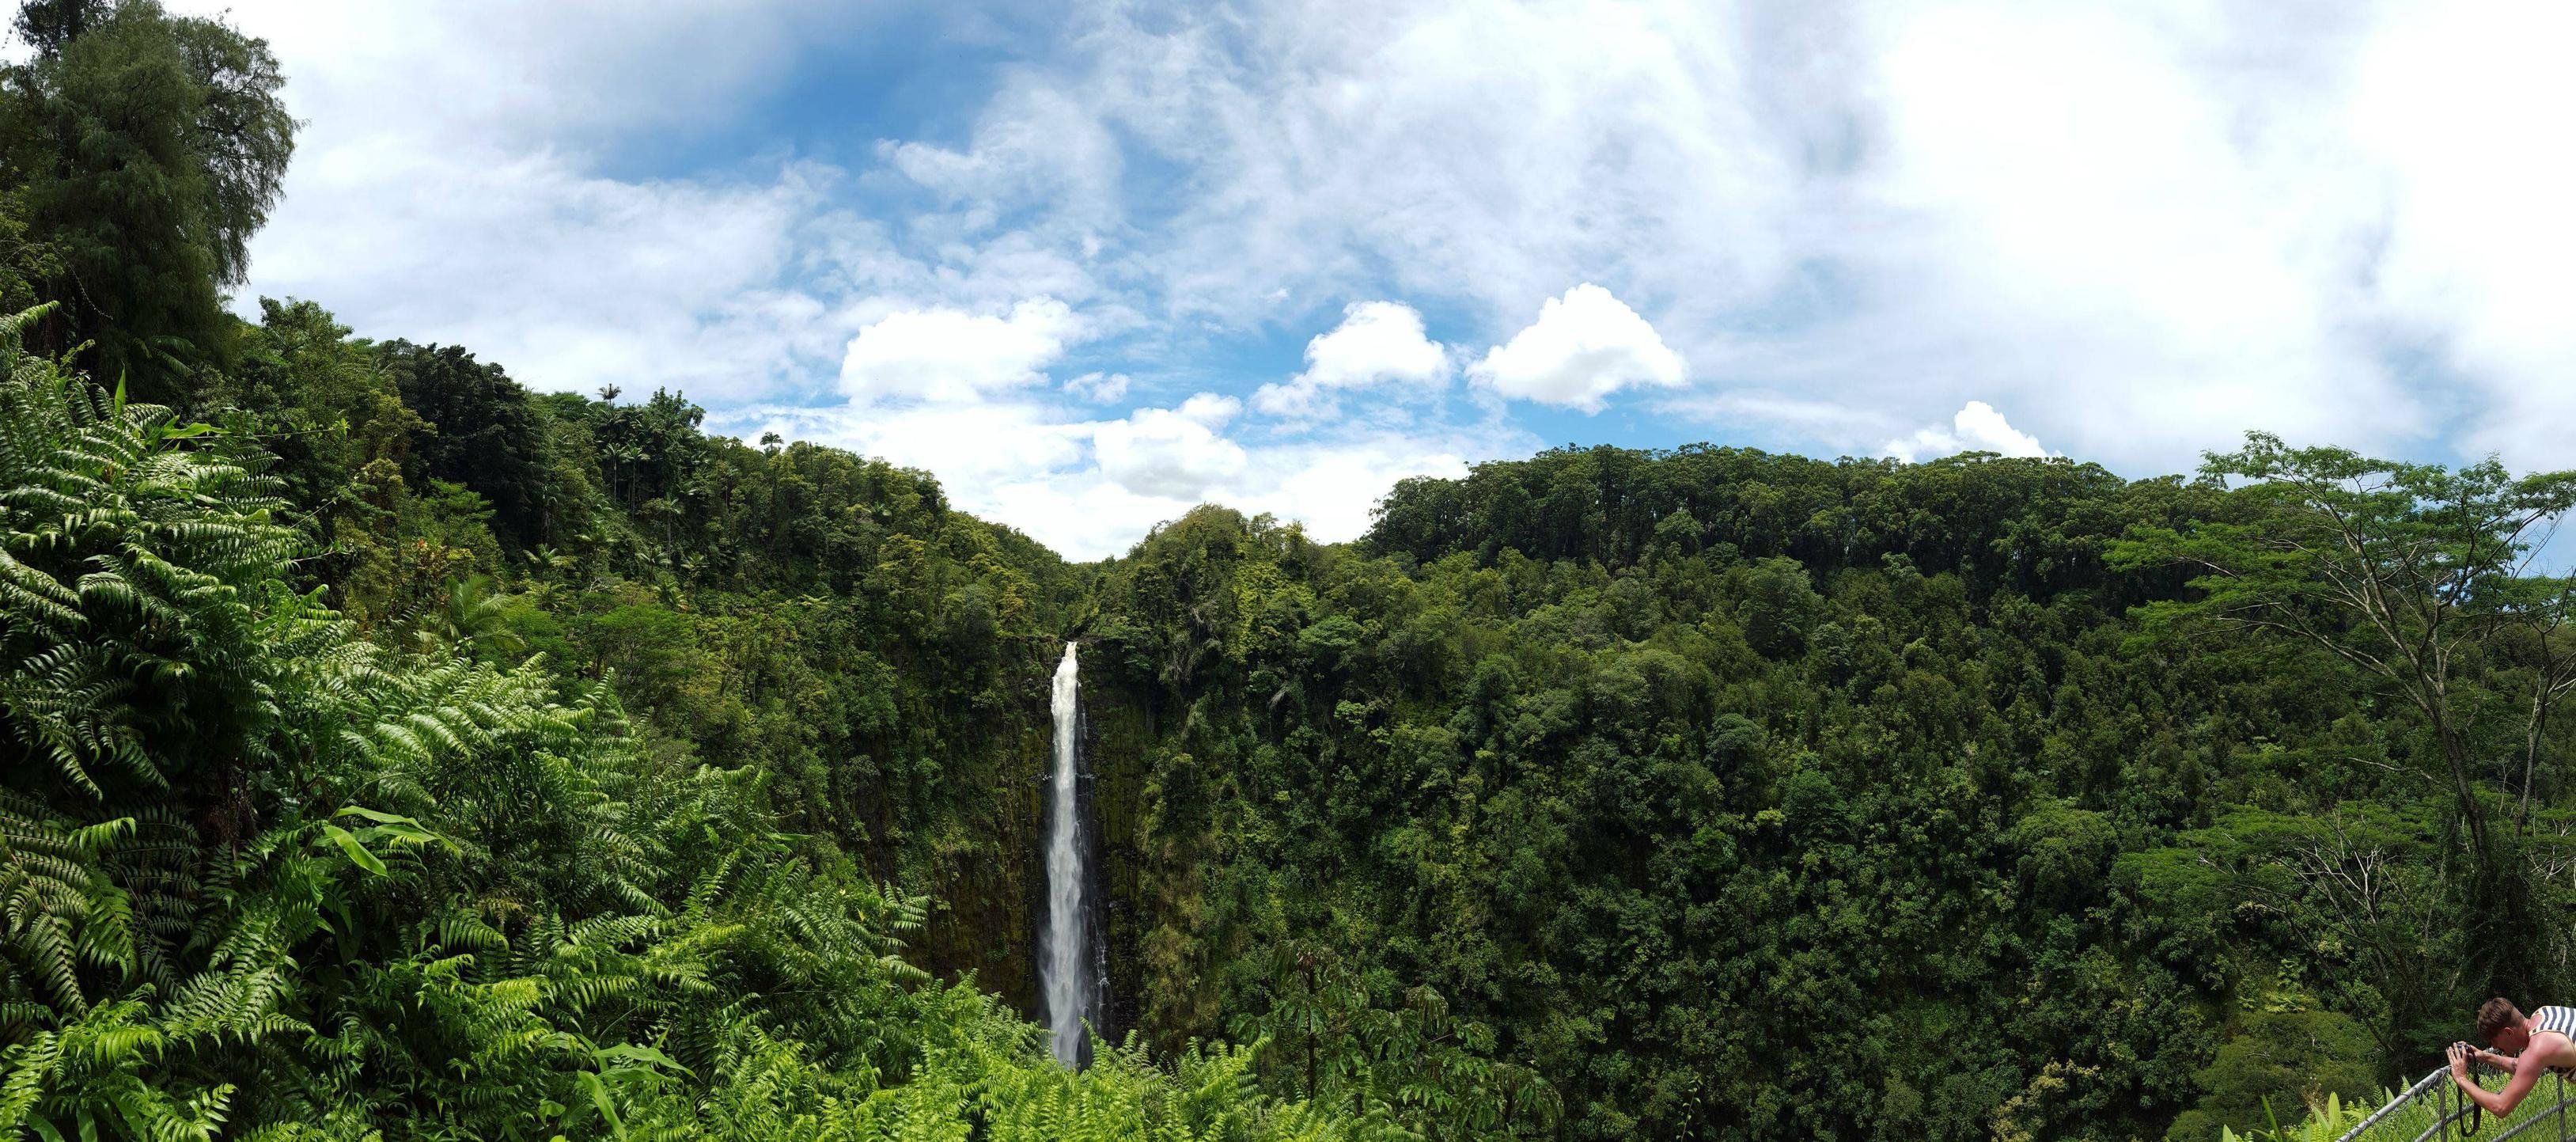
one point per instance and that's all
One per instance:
(2559, 1019)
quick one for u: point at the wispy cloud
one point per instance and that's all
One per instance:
(950, 354)
(2139, 228)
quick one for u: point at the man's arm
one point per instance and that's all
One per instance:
(2526, 1074)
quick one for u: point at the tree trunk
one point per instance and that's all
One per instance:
(2500, 925)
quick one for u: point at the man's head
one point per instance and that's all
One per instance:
(2500, 1023)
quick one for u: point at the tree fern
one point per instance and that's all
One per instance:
(263, 878)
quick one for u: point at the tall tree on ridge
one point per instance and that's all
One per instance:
(149, 148)
(2405, 572)
(484, 433)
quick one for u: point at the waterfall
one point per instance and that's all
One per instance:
(1069, 946)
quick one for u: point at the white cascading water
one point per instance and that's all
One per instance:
(1064, 963)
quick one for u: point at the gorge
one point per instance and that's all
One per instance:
(395, 750)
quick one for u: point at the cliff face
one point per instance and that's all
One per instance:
(1122, 734)
(987, 878)
(1170, 786)
(989, 873)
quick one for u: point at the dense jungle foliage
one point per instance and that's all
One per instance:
(396, 751)
(1717, 794)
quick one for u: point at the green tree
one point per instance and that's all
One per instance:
(262, 876)
(2276, 1066)
(475, 618)
(2416, 576)
(148, 149)
(483, 432)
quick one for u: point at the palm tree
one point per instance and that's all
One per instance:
(475, 620)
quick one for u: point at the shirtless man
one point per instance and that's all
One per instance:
(2529, 1047)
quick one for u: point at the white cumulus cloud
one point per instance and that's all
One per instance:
(1377, 343)
(970, 447)
(1171, 452)
(1585, 346)
(946, 354)
(1333, 486)
(1976, 427)
(1022, 462)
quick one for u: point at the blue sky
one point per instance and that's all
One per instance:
(1092, 264)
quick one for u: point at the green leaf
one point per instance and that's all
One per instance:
(598, 1092)
(628, 1053)
(358, 853)
(395, 829)
(377, 816)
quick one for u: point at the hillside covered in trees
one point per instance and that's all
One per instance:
(399, 752)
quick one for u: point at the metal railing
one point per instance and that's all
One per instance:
(2452, 1108)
